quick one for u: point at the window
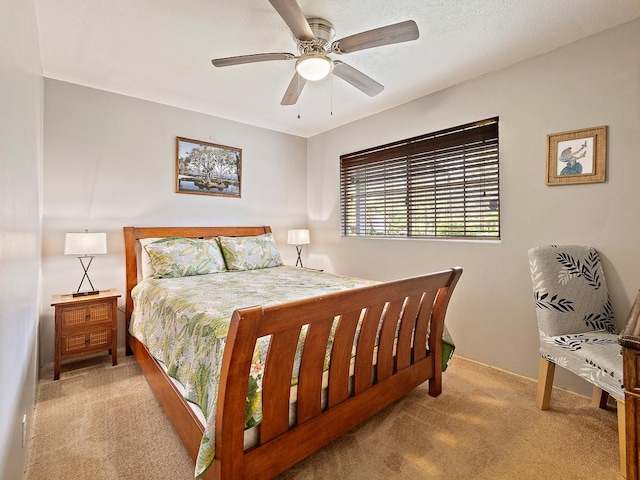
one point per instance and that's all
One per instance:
(440, 185)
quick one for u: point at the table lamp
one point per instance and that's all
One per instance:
(85, 245)
(298, 238)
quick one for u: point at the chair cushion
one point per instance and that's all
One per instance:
(595, 356)
(570, 290)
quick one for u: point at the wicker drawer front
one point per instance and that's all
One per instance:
(85, 341)
(97, 313)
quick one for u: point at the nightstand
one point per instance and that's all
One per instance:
(85, 325)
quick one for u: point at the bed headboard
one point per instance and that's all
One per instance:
(132, 249)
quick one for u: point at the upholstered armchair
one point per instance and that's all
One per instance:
(576, 325)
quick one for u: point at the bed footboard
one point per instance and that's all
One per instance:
(386, 340)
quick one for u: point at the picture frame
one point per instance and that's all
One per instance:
(577, 156)
(205, 168)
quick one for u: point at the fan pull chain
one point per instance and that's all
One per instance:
(331, 94)
(298, 102)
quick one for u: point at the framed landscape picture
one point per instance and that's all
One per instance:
(578, 156)
(205, 168)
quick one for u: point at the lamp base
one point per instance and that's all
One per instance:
(299, 261)
(84, 294)
(93, 290)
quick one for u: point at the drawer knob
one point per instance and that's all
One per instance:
(86, 341)
(87, 316)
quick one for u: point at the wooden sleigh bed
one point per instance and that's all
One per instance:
(398, 346)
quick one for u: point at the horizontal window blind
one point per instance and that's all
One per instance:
(440, 185)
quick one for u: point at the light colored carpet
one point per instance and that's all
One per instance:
(103, 422)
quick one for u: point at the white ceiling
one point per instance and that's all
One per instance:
(161, 50)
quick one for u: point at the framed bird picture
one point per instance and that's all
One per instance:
(578, 156)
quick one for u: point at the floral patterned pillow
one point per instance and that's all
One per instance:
(250, 253)
(184, 257)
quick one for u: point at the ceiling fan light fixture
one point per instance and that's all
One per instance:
(314, 66)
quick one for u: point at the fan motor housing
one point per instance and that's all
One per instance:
(323, 33)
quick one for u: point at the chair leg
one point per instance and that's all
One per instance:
(599, 397)
(622, 438)
(545, 383)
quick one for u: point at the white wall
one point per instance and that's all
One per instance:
(20, 180)
(589, 83)
(110, 161)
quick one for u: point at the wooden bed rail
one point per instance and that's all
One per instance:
(630, 341)
(386, 366)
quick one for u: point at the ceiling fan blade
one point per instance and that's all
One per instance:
(396, 33)
(293, 90)
(292, 15)
(356, 78)
(257, 57)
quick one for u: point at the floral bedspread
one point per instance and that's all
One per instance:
(184, 321)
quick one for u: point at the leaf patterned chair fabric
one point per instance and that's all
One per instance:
(576, 324)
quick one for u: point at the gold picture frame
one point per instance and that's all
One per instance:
(205, 168)
(577, 156)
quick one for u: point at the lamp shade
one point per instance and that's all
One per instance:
(314, 66)
(85, 243)
(298, 237)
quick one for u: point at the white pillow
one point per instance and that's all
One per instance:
(145, 260)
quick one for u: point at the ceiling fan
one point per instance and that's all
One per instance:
(314, 37)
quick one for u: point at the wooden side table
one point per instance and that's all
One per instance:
(85, 325)
(630, 341)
